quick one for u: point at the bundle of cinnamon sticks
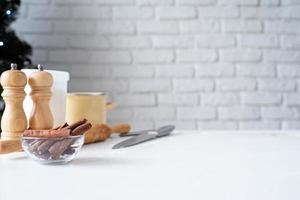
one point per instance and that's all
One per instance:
(77, 128)
(54, 143)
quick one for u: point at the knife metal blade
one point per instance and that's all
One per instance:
(161, 131)
(146, 136)
(135, 133)
(135, 140)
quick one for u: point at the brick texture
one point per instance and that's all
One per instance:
(206, 64)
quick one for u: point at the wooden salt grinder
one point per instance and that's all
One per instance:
(13, 122)
(41, 83)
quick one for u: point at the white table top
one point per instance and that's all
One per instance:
(233, 165)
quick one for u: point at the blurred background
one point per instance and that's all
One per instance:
(206, 64)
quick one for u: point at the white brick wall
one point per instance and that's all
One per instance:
(207, 64)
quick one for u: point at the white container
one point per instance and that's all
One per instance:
(59, 95)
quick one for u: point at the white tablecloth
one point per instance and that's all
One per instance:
(233, 165)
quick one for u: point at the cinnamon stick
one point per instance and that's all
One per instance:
(61, 126)
(76, 124)
(81, 129)
(47, 133)
(56, 128)
(59, 147)
(45, 146)
(35, 145)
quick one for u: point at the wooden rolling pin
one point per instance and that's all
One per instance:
(10, 146)
(120, 128)
(100, 132)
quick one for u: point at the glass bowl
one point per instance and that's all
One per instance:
(59, 150)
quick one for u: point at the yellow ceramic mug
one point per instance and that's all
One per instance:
(89, 105)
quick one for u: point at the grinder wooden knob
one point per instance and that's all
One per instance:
(13, 121)
(41, 83)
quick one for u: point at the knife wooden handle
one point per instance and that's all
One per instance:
(10, 146)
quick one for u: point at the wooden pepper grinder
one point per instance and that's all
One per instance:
(41, 83)
(13, 122)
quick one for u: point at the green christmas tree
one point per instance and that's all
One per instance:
(12, 49)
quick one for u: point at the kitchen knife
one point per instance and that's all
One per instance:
(143, 138)
(134, 140)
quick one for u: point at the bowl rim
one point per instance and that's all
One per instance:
(45, 138)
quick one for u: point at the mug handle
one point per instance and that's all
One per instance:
(110, 105)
